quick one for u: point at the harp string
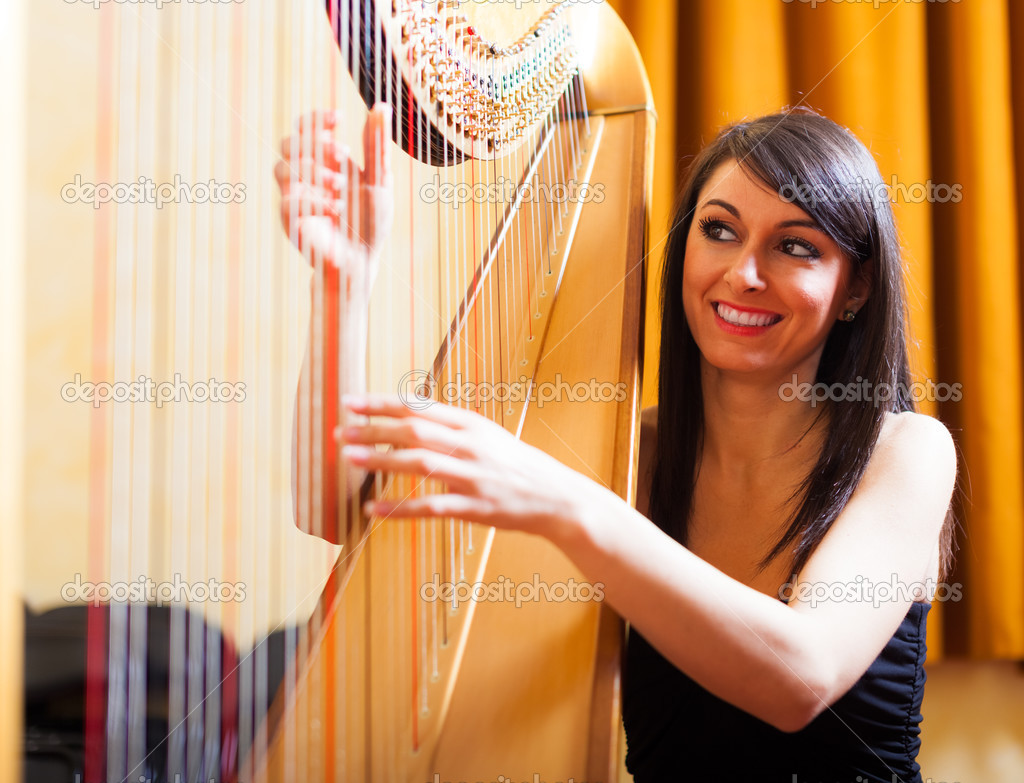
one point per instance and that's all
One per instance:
(309, 764)
(182, 441)
(196, 366)
(97, 627)
(227, 285)
(270, 343)
(236, 284)
(350, 535)
(121, 523)
(142, 420)
(303, 344)
(217, 678)
(252, 273)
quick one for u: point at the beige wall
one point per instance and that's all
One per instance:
(166, 511)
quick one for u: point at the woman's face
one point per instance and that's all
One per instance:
(762, 283)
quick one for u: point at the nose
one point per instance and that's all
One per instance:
(744, 274)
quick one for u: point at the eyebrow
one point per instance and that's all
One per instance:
(805, 223)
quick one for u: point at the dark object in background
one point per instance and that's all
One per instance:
(55, 692)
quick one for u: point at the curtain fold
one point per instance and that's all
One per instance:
(930, 88)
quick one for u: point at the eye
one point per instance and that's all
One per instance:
(716, 230)
(799, 248)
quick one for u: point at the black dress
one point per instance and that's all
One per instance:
(678, 731)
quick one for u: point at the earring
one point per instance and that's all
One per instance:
(849, 315)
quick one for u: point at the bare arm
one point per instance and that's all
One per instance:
(338, 215)
(783, 664)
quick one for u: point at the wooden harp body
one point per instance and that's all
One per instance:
(513, 283)
(525, 684)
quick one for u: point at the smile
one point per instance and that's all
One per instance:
(745, 319)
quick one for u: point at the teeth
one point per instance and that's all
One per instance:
(737, 318)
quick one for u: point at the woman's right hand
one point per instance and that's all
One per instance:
(329, 206)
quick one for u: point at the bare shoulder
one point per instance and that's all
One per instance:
(918, 436)
(892, 524)
(916, 453)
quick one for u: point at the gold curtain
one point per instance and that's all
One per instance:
(930, 88)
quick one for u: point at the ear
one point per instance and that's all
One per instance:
(860, 285)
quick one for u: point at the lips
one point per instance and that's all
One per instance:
(745, 318)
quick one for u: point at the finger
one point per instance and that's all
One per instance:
(377, 146)
(304, 144)
(317, 119)
(301, 202)
(393, 406)
(377, 213)
(408, 433)
(449, 505)
(321, 235)
(308, 170)
(412, 462)
(324, 148)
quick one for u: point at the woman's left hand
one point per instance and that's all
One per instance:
(490, 476)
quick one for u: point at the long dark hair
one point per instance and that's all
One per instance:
(828, 172)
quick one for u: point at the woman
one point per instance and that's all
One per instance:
(782, 279)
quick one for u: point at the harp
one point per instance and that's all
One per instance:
(299, 640)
